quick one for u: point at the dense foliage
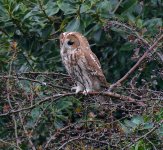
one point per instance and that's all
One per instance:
(37, 108)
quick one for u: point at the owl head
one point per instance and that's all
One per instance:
(72, 40)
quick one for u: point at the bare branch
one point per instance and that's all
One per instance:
(119, 82)
(26, 132)
(119, 96)
(11, 144)
(69, 141)
(9, 89)
(57, 97)
(142, 137)
(45, 73)
(32, 80)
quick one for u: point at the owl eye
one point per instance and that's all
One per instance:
(70, 42)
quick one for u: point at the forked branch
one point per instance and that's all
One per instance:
(119, 82)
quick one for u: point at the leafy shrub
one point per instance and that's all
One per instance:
(38, 110)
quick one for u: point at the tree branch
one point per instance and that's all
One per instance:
(142, 137)
(32, 80)
(26, 132)
(58, 96)
(119, 82)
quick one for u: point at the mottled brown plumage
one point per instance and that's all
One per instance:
(81, 63)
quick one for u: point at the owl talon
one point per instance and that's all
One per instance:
(85, 92)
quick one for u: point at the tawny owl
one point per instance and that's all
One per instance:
(81, 63)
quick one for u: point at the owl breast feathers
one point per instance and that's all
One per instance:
(81, 63)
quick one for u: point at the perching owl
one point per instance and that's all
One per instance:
(81, 63)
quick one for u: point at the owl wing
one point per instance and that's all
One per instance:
(94, 67)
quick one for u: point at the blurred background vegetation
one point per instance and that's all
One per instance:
(119, 32)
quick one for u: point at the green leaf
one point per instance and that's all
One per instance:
(128, 5)
(118, 30)
(137, 145)
(160, 130)
(62, 105)
(139, 23)
(58, 124)
(125, 129)
(67, 8)
(129, 123)
(148, 126)
(35, 113)
(16, 8)
(73, 25)
(127, 47)
(84, 8)
(30, 14)
(97, 35)
(153, 22)
(104, 7)
(51, 8)
(138, 120)
(25, 85)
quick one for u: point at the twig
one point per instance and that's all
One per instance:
(57, 97)
(142, 137)
(140, 89)
(26, 132)
(119, 96)
(9, 89)
(137, 35)
(160, 56)
(151, 143)
(36, 81)
(103, 142)
(136, 65)
(45, 73)
(3, 31)
(53, 137)
(28, 61)
(40, 115)
(69, 141)
(8, 143)
(117, 6)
